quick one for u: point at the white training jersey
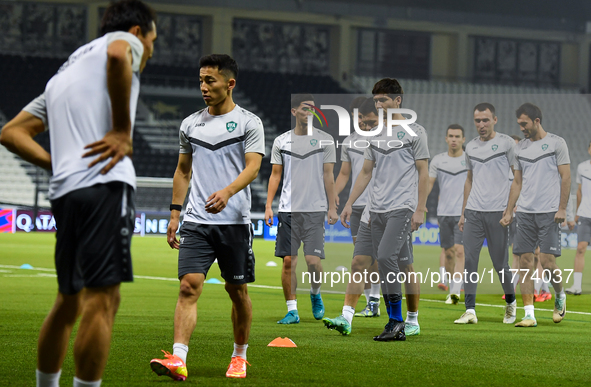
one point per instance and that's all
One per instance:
(395, 174)
(218, 145)
(538, 162)
(303, 158)
(490, 162)
(76, 109)
(584, 179)
(353, 150)
(451, 173)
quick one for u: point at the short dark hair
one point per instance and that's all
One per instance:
(454, 126)
(356, 103)
(368, 106)
(297, 99)
(515, 137)
(530, 110)
(389, 86)
(481, 107)
(122, 15)
(224, 63)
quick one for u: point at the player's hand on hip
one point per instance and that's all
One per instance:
(217, 201)
(417, 220)
(332, 216)
(269, 217)
(461, 223)
(346, 215)
(507, 218)
(115, 145)
(560, 216)
(173, 226)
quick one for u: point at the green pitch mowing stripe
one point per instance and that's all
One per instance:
(486, 354)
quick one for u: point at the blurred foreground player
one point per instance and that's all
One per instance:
(222, 146)
(89, 104)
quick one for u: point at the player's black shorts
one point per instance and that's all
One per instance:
(449, 231)
(231, 244)
(93, 238)
(297, 227)
(355, 220)
(537, 230)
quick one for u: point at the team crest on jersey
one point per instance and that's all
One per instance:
(544, 147)
(463, 162)
(313, 142)
(400, 135)
(495, 147)
(231, 126)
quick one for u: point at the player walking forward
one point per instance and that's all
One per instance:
(222, 145)
(488, 158)
(542, 184)
(583, 220)
(91, 100)
(450, 169)
(397, 202)
(306, 162)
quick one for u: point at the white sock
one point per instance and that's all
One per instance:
(240, 350)
(292, 305)
(515, 281)
(442, 274)
(348, 312)
(529, 311)
(412, 318)
(367, 293)
(48, 380)
(578, 280)
(375, 291)
(471, 311)
(545, 287)
(180, 350)
(560, 294)
(455, 288)
(315, 291)
(82, 383)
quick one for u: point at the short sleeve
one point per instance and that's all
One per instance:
(419, 146)
(185, 144)
(330, 154)
(137, 48)
(255, 137)
(38, 108)
(562, 157)
(276, 153)
(511, 151)
(468, 163)
(345, 154)
(516, 163)
(578, 178)
(433, 167)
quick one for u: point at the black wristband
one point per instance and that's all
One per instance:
(177, 207)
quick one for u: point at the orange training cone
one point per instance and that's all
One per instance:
(282, 342)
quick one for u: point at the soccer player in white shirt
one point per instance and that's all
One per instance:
(88, 104)
(450, 168)
(488, 159)
(583, 220)
(221, 148)
(542, 184)
(306, 162)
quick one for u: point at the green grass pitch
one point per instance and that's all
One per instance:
(488, 354)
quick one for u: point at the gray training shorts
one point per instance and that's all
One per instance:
(355, 220)
(584, 229)
(534, 229)
(449, 231)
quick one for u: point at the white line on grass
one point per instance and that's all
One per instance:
(263, 287)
